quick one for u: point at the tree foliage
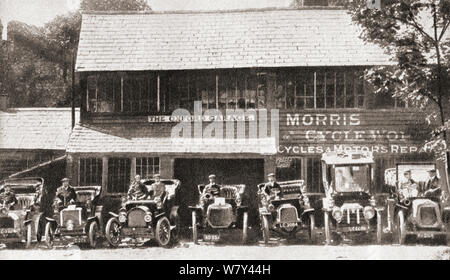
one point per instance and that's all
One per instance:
(38, 66)
(415, 33)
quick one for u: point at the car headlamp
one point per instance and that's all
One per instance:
(337, 214)
(148, 218)
(4, 211)
(122, 218)
(369, 212)
(271, 207)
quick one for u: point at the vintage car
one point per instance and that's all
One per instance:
(143, 220)
(77, 223)
(220, 214)
(21, 222)
(350, 206)
(287, 212)
(411, 212)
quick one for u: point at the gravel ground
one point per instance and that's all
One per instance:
(192, 251)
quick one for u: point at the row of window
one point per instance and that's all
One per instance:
(293, 89)
(119, 171)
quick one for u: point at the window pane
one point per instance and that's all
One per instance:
(288, 168)
(118, 175)
(320, 90)
(330, 81)
(340, 90)
(350, 91)
(90, 171)
(262, 91)
(147, 167)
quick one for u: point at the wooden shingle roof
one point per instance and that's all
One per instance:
(222, 39)
(36, 128)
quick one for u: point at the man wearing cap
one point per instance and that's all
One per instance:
(432, 187)
(158, 188)
(65, 195)
(212, 188)
(8, 197)
(408, 186)
(271, 186)
(137, 190)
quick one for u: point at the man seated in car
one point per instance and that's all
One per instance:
(408, 188)
(432, 187)
(211, 191)
(65, 195)
(8, 198)
(137, 190)
(272, 188)
(157, 189)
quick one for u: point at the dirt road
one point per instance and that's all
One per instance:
(191, 251)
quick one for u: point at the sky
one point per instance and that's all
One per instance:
(38, 12)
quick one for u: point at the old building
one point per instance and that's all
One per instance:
(30, 137)
(301, 67)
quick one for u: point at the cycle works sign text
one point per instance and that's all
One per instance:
(316, 133)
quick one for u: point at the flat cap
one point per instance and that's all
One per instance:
(212, 176)
(271, 175)
(65, 179)
(156, 176)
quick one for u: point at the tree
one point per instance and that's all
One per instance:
(415, 33)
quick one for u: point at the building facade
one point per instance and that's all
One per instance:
(293, 77)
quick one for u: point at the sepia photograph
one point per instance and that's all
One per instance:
(224, 130)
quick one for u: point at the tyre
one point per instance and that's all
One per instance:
(163, 232)
(312, 227)
(113, 232)
(245, 228)
(327, 229)
(93, 234)
(28, 237)
(194, 228)
(49, 235)
(265, 229)
(379, 229)
(401, 228)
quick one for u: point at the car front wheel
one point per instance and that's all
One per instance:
(113, 232)
(245, 228)
(29, 234)
(194, 227)
(49, 235)
(163, 231)
(401, 228)
(93, 234)
(265, 229)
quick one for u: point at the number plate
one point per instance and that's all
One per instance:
(211, 237)
(425, 235)
(355, 228)
(7, 230)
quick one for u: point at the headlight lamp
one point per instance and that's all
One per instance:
(122, 217)
(369, 212)
(337, 213)
(148, 218)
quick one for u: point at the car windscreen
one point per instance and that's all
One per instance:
(352, 178)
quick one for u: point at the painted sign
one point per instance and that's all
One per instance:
(379, 132)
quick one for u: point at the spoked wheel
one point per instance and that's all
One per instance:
(379, 229)
(312, 227)
(265, 229)
(163, 231)
(28, 240)
(113, 230)
(327, 228)
(194, 227)
(93, 234)
(245, 228)
(49, 235)
(401, 228)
